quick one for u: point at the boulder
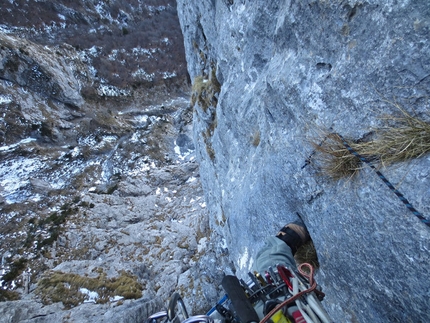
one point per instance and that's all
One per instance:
(40, 186)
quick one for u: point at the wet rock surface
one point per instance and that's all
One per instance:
(287, 71)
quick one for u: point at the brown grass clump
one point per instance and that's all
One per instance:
(335, 159)
(8, 295)
(205, 90)
(256, 138)
(404, 138)
(65, 288)
(307, 254)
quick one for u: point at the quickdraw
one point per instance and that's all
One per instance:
(284, 296)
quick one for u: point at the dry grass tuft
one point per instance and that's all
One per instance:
(205, 90)
(256, 138)
(62, 287)
(335, 159)
(405, 137)
(8, 295)
(307, 254)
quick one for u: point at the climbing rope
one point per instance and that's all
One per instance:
(313, 286)
(313, 152)
(387, 182)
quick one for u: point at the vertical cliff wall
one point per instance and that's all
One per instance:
(268, 75)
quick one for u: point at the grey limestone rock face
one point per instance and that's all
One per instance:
(288, 68)
(32, 312)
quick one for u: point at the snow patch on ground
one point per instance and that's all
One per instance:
(88, 140)
(143, 75)
(5, 99)
(137, 51)
(182, 155)
(191, 179)
(13, 146)
(16, 174)
(224, 244)
(103, 11)
(168, 75)
(155, 9)
(112, 91)
(143, 119)
(92, 296)
(116, 298)
(202, 244)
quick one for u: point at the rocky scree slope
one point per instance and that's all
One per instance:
(271, 76)
(98, 177)
(126, 43)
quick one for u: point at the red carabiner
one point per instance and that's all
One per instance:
(285, 275)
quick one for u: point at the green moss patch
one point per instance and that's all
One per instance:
(62, 287)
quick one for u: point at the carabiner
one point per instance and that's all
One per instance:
(199, 318)
(154, 317)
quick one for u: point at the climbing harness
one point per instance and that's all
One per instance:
(304, 298)
(282, 295)
(387, 182)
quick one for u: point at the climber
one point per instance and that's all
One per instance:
(284, 294)
(281, 248)
(300, 303)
